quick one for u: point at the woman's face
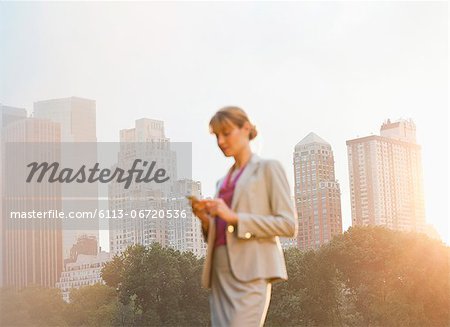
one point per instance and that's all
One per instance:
(231, 140)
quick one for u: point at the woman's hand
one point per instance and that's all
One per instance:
(220, 208)
(199, 209)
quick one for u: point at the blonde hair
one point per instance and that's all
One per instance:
(225, 117)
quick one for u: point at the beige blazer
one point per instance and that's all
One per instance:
(265, 210)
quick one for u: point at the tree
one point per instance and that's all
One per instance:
(32, 306)
(370, 276)
(94, 305)
(161, 286)
(395, 278)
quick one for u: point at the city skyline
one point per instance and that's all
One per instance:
(56, 132)
(330, 68)
(402, 132)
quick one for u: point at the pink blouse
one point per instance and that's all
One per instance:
(226, 193)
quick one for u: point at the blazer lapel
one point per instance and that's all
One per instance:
(248, 171)
(242, 181)
(218, 187)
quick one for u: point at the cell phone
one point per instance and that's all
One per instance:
(192, 198)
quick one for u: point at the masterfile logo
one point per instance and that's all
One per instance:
(69, 175)
(87, 185)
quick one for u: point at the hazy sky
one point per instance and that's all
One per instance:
(337, 69)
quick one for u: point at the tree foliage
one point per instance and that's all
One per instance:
(367, 276)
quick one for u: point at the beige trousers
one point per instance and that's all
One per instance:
(234, 303)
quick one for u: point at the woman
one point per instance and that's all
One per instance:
(242, 225)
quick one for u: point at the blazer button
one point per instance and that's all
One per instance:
(248, 235)
(231, 228)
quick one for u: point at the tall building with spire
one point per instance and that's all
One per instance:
(386, 178)
(317, 192)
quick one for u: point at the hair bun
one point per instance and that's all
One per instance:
(253, 132)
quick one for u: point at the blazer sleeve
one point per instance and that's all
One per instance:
(205, 231)
(283, 221)
(205, 234)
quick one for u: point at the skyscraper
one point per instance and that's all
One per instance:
(77, 118)
(386, 178)
(172, 224)
(140, 142)
(8, 115)
(317, 193)
(32, 248)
